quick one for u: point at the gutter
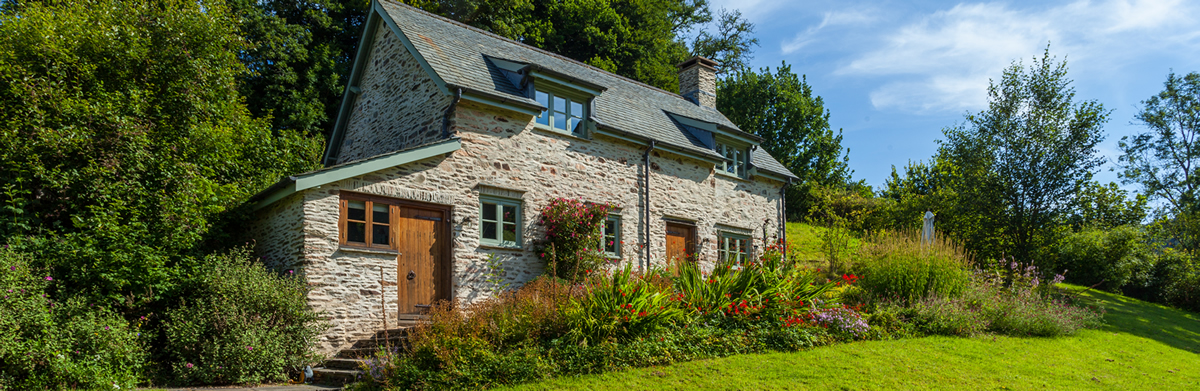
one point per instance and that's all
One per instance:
(502, 100)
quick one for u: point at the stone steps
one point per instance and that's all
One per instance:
(336, 377)
(345, 367)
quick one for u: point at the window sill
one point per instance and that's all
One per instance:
(727, 175)
(496, 247)
(556, 132)
(364, 250)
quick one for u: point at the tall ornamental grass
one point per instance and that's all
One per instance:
(897, 266)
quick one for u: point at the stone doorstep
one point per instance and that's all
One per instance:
(333, 376)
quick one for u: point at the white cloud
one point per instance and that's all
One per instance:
(942, 62)
(840, 18)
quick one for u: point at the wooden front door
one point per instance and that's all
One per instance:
(681, 243)
(423, 265)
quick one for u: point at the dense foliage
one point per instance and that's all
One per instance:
(237, 323)
(123, 139)
(50, 343)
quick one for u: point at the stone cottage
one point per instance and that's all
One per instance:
(451, 139)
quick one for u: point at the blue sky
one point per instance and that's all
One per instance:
(894, 73)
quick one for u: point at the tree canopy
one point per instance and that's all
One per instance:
(1025, 157)
(1164, 160)
(123, 136)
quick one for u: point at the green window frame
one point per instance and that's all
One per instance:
(733, 248)
(500, 222)
(735, 159)
(610, 236)
(565, 113)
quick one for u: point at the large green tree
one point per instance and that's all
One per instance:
(1024, 158)
(1165, 160)
(297, 55)
(124, 140)
(781, 108)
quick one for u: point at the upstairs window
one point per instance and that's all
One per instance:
(735, 159)
(563, 113)
(733, 248)
(610, 242)
(500, 222)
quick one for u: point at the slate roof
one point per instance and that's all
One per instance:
(457, 53)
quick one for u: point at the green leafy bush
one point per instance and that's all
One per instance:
(1176, 280)
(52, 344)
(1106, 257)
(124, 140)
(239, 323)
(896, 266)
(618, 306)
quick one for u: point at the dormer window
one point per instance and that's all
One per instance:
(564, 112)
(735, 162)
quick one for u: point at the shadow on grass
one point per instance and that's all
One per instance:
(1176, 328)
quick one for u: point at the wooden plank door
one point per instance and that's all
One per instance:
(423, 264)
(680, 242)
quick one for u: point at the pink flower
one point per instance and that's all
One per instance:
(189, 365)
(249, 348)
(48, 278)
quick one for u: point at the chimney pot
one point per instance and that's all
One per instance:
(698, 81)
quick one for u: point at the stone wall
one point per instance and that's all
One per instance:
(278, 234)
(505, 154)
(398, 105)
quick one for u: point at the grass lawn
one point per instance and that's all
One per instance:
(805, 242)
(1143, 346)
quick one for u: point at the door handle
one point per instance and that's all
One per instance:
(412, 275)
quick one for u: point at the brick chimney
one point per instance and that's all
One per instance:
(698, 81)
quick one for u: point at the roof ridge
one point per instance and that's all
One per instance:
(543, 51)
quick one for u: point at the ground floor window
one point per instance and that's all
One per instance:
(500, 221)
(610, 241)
(366, 221)
(733, 248)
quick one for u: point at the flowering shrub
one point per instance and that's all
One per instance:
(51, 344)
(619, 306)
(244, 324)
(571, 247)
(841, 320)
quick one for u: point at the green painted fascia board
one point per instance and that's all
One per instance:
(504, 103)
(360, 62)
(362, 167)
(717, 130)
(660, 145)
(539, 75)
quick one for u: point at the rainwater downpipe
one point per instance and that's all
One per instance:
(783, 214)
(449, 111)
(646, 220)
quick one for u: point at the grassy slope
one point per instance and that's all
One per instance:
(805, 243)
(1143, 346)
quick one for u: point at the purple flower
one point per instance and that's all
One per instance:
(249, 348)
(48, 278)
(106, 327)
(290, 271)
(12, 268)
(189, 365)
